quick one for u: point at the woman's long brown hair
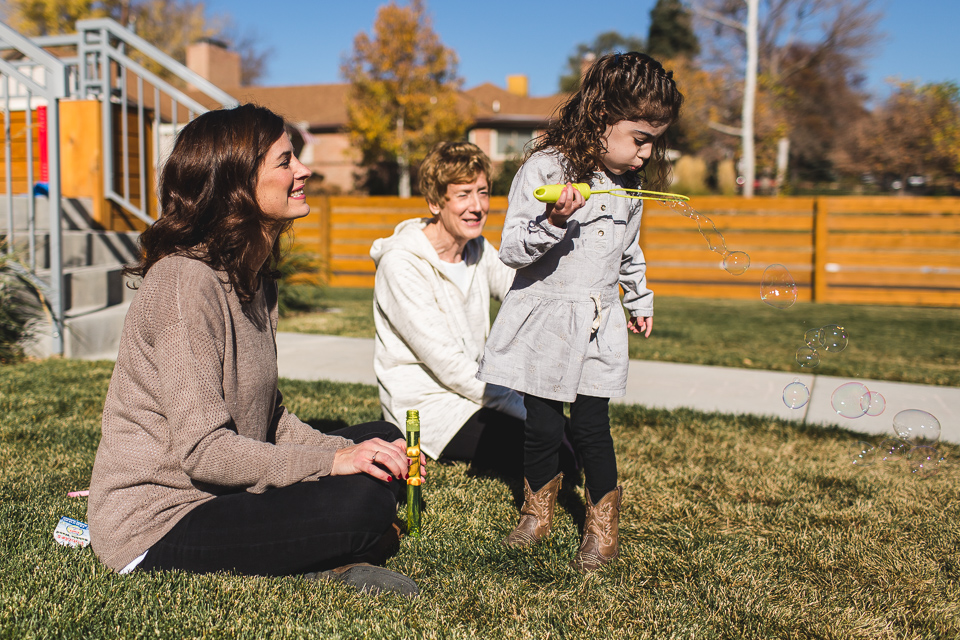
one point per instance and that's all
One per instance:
(208, 198)
(618, 86)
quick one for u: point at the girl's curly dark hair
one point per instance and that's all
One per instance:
(208, 198)
(618, 86)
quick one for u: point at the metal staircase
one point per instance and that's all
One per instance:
(77, 256)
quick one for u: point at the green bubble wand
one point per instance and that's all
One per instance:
(413, 474)
(551, 193)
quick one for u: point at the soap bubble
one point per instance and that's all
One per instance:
(851, 400)
(916, 427)
(892, 449)
(736, 262)
(833, 338)
(807, 357)
(777, 287)
(863, 454)
(812, 338)
(681, 207)
(712, 235)
(795, 394)
(924, 460)
(877, 404)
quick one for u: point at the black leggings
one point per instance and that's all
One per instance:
(490, 440)
(307, 526)
(590, 431)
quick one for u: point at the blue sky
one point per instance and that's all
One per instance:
(497, 38)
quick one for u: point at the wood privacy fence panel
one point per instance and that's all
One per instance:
(769, 230)
(888, 251)
(858, 250)
(20, 137)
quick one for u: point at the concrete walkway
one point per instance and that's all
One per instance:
(668, 385)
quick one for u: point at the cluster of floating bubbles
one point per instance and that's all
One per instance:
(917, 434)
(853, 400)
(734, 262)
(831, 338)
(917, 431)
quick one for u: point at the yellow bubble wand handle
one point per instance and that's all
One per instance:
(551, 193)
(413, 477)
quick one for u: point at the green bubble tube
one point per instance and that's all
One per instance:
(413, 478)
(551, 193)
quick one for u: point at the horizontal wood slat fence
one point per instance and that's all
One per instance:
(857, 250)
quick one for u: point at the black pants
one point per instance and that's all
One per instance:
(489, 440)
(308, 526)
(590, 431)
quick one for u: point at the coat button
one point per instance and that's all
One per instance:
(600, 233)
(603, 207)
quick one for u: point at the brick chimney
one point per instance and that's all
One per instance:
(517, 85)
(586, 62)
(211, 59)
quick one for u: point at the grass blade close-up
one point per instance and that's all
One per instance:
(732, 527)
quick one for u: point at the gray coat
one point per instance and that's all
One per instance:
(561, 331)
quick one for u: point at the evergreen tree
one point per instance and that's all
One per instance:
(608, 42)
(671, 31)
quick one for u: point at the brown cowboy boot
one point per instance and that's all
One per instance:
(600, 543)
(536, 515)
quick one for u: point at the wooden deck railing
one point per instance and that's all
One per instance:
(863, 250)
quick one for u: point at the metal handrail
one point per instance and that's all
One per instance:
(102, 59)
(115, 30)
(55, 87)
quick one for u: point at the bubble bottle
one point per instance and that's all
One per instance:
(413, 478)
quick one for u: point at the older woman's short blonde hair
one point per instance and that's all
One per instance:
(451, 163)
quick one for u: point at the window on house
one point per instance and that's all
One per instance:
(511, 143)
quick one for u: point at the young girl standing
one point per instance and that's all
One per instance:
(560, 335)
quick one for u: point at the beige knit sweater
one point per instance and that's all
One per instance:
(193, 410)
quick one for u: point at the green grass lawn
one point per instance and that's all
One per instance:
(732, 527)
(907, 344)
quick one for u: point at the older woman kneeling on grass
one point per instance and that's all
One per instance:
(200, 468)
(435, 278)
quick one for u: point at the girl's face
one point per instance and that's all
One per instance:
(629, 145)
(280, 183)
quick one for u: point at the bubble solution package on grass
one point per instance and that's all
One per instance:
(72, 533)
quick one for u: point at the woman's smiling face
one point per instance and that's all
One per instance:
(280, 182)
(464, 210)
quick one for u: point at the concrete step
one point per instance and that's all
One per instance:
(76, 213)
(92, 334)
(82, 248)
(93, 287)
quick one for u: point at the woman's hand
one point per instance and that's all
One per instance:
(569, 202)
(641, 325)
(381, 459)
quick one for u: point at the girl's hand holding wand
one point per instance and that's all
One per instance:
(567, 204)
(641, 325)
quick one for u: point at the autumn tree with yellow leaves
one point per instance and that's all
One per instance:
(169, 25)
(404, 88)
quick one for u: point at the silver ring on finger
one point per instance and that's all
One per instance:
(374, 458)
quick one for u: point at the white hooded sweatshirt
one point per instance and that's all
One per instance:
(430, 334)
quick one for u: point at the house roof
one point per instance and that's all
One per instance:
(324, 106)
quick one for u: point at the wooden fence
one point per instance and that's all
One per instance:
(861, 250)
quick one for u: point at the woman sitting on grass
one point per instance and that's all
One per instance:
(200, 468)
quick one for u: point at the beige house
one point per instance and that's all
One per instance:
(503, 120)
